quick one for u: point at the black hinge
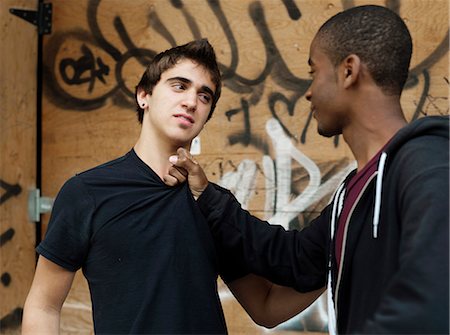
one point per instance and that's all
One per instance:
(42, 18)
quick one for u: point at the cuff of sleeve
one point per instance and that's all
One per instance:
(209, 200)
(42, 251)
(237, 273)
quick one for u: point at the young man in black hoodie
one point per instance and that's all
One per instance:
(381, 246)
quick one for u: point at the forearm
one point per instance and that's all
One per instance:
(283, 303)
(47, 294)
(269, 304)
(39, 319)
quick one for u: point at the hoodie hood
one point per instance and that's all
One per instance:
(427, 126)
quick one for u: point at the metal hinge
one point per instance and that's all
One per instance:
(42, 18)
(38, 205)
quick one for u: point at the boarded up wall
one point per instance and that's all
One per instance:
(18, 40)
(97, 53)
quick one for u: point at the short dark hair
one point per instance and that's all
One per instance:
(378, 36)
(199, 51)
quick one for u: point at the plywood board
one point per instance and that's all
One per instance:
(18, 66)
(262, 47)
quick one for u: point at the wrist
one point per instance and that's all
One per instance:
(197, 193)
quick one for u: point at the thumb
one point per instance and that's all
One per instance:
(184, 160)
(197, 179)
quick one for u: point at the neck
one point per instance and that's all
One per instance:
(372, 127)
(155, 151)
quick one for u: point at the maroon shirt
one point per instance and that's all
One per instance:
(353, 190)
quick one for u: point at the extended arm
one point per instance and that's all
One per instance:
(288, 258)
(49, 289)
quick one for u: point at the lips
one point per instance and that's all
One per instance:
(185, 117)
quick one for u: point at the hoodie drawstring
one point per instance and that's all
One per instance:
(337, 208)
(379, 189)
(338, 203)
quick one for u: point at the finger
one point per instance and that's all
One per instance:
(180, 170)
(178, 173)
(170, 180)
(184, 160)
(183, 153)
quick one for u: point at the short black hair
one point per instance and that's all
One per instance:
(199, 51)
(378, 36)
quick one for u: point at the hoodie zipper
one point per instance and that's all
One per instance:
(344, 239)
(334, 214)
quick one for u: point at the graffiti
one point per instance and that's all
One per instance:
(11, 191)
(12, 320)
(86, 69)
(85, 64)
(5, 279)
(431, 107)
(6, 236)
(285, 209)
(241, 183)
(245, 137)
(279, 207)
(440, 51)
(293, 10)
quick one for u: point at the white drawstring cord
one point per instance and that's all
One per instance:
(379, 187)
(338, 201)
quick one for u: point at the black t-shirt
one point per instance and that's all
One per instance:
(144, 248)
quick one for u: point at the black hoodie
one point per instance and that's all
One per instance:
(394, 275)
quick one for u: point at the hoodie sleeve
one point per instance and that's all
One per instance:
(416, 299)
(291, 258)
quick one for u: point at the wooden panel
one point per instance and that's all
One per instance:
(92, 62)
(18, 40)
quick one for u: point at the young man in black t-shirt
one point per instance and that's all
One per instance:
(149, 269)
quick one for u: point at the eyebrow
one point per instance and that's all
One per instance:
(204, 88)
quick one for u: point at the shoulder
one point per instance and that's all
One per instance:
(74, 193)
(420, 166)
(72, 186)
(423, 153)
(423, 144)
(82, 187)
(110, 166)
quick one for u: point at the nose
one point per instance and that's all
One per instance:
(190, 100)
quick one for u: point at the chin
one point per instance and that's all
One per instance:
(328, 132)
(181, 141)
